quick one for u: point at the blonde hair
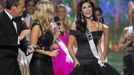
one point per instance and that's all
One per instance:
(62, 5)
(66, 17)
(43, 14)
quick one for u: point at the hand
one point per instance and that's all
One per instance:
(54, 46)
(76, 63)
(103, 60)
(61, 29)
(30, 49)
(57, 31)
(23, 34)
(54, 53)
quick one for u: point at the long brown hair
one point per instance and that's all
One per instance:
(81, 20)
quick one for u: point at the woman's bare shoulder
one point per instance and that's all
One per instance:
(105, 26)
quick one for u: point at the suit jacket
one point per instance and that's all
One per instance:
(9, 44)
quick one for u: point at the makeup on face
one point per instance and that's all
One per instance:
(87, 9)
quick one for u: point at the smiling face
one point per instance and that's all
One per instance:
(87, 9)
(61, 12)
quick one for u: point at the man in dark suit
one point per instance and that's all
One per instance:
(9, 41)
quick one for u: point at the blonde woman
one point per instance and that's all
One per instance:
(41, 38)
(130, 8)
(127, 45)
(63, 57)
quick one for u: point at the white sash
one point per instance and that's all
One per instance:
(65, 49)
(93, 47)
(131, 31)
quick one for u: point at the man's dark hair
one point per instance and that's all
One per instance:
(10, 3)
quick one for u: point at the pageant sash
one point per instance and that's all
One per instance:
(131, 31)
(93, 47)
(65, 49)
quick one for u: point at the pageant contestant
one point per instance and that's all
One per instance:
(99, 18)
(130, 9)
(63, 63)
(89, 59)
(98, 15)
(42, 39)
(128, 45)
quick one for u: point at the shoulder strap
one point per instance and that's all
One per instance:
(39, 25)
(41, 29)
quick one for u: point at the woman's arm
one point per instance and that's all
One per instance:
(106, 40)
(35, 33)
(130, 10)
(49, 53)
(100, 51)
(24, 33)
(74, 7)
(70, 46)
(124, 42)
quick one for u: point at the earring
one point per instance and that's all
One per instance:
(91, 17)
(82, 17)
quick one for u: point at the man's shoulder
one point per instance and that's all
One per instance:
(1, 18)
(2, 15)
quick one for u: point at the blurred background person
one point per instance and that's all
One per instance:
(130, 8)
(1, 8)
(2, 3)
(30, 6)
(128, 46)
(27, 19)
(99, 18)
(98, 15)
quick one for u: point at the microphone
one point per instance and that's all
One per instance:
(57, 20)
